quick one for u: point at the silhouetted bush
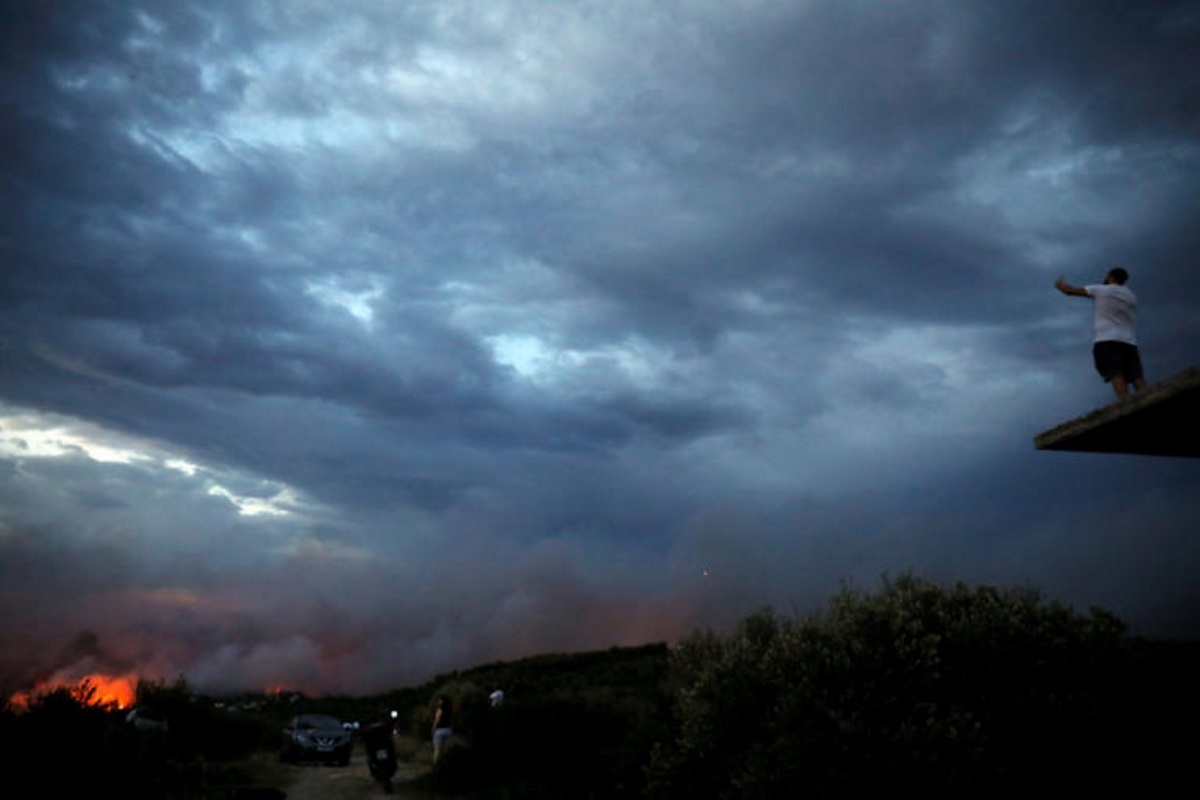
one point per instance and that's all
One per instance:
(943, 691)
(65, 743)
(579, 725)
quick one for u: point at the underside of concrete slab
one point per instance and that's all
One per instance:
(1161, 421)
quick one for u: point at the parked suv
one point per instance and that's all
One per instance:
(316, 737)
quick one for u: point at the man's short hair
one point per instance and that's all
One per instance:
(1119, 275)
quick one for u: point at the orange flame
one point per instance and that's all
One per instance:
(104, 691)
(118, 692)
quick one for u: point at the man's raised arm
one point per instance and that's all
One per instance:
(1066, 288)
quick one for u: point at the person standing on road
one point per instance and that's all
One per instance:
(443, 725)
(1115, 348)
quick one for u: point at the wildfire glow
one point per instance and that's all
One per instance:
(108, 691)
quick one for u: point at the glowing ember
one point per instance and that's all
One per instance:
(104, 691)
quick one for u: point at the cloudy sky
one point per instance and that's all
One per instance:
(342, 344)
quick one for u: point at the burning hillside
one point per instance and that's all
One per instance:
(95, 689)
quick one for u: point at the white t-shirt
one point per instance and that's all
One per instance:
(1116, 312)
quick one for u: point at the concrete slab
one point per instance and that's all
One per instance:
(1162, 421)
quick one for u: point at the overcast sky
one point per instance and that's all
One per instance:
(342, 344)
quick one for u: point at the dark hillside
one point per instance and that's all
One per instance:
(954, 691)
(570, 725)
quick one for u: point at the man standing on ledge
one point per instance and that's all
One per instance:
(1115, 349)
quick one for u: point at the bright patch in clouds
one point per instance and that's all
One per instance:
(34, 435)
(634, 363)
(276, 506)
(528, 355)
(356, 301)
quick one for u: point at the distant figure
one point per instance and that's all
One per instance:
(496, 698)
(443, 725)
(1115, 350)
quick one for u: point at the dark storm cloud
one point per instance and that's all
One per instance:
(558, 325)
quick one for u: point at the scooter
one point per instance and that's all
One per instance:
(381, 753)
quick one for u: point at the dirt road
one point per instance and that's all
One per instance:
(353, 782)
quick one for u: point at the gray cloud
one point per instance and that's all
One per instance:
(343, 346)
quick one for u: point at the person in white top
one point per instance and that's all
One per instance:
(1115, 349)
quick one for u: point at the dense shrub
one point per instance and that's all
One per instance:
(943, 691)
(61, 742)
(578, 725)
(68, 744)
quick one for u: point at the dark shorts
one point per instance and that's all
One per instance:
(1115, 359)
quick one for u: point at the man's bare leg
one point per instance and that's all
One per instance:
(1120, 387)
(1139, 385)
